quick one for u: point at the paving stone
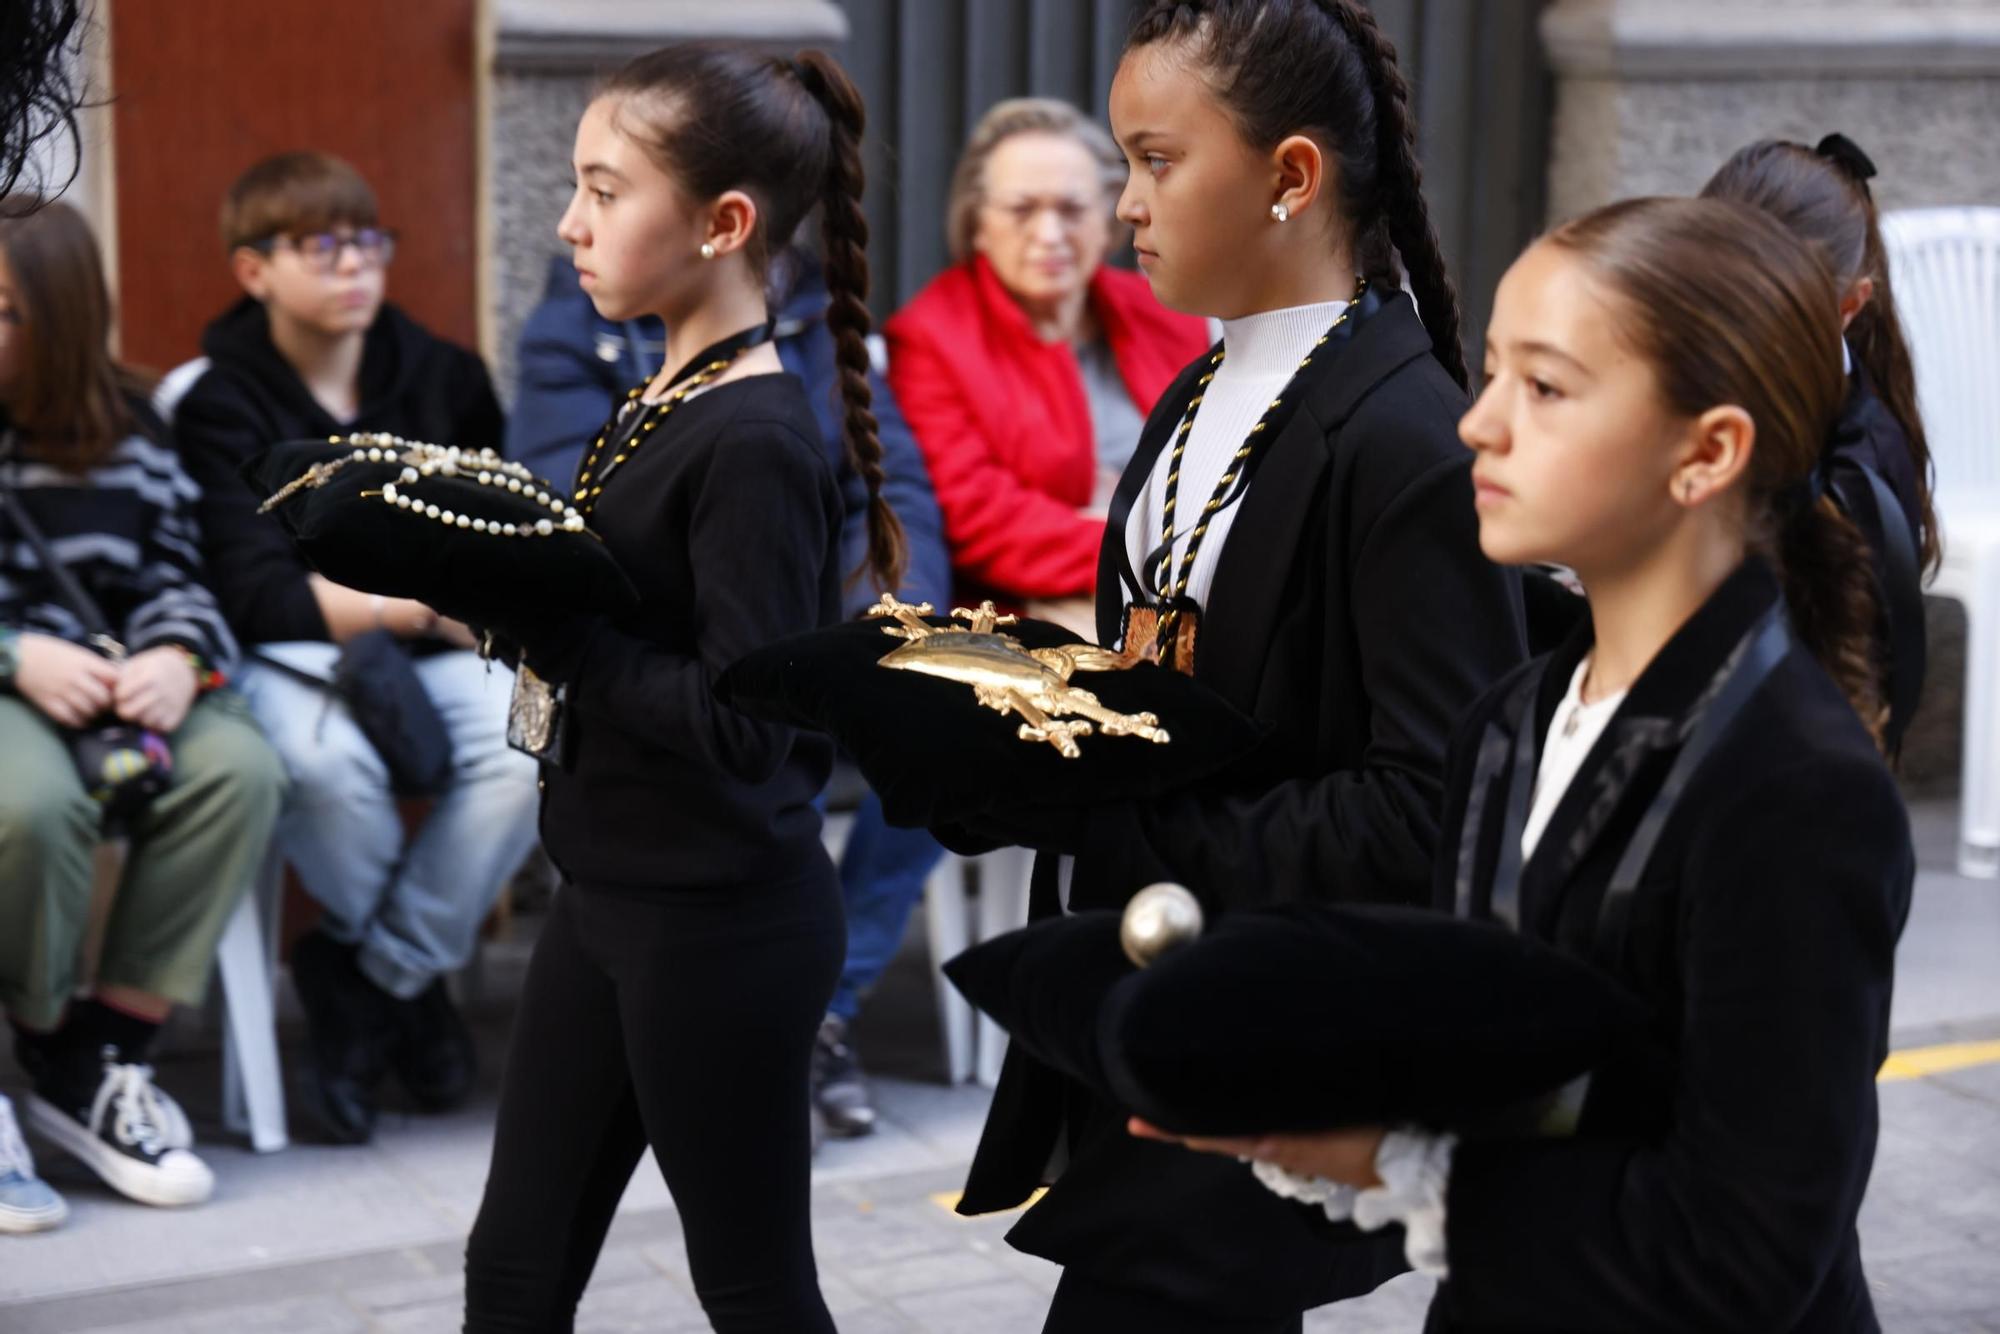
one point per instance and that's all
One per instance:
(382, 1298)
(429, 1318)
(305, 1315)
(636, 1308)
(946, 1269)
(1007, 1307)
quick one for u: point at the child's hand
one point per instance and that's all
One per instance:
(70, 684)
(157, 688)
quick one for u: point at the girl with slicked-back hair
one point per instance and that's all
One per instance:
(1878, 460)
(1295, 530)
(1687, 796)
(677, 988)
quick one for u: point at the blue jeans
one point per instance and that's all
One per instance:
(882, 874)
(413, 907)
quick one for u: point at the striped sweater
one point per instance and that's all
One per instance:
(126, 531)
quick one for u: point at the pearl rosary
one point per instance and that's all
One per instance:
(421, 460)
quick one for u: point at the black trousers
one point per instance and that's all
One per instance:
(683, 1020)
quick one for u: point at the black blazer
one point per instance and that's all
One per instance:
(1353, 612)
(1718, 1168)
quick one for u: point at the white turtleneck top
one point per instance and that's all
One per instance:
(1264, 351)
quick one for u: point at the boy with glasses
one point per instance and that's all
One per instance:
(312, 349)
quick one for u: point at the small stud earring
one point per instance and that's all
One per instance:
(1687, 492)
(1280, 212)
(708, 250)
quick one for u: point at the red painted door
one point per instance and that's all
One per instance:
(204, 88)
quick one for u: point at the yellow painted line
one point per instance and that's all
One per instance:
(947, 1200)
(1917, 1062)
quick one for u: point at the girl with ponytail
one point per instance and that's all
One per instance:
(1296, 530)
(1878, 462)
(677, 988)
(1685, 795)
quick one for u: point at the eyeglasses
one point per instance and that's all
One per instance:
(321, 251)
(1070, 213)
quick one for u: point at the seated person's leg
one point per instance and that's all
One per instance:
(341, 831)
(196, 850)
(93, 1095)
(477, 835)
(48, 829)
(882, 875)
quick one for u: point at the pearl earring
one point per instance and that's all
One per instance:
(1280, 212)
(708, 250)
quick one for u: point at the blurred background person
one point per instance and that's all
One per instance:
(1028, 367)
(92, 490)
(312, 349)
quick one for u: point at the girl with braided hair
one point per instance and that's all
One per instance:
(1295, 529)
(1877, 460)
(699, 927)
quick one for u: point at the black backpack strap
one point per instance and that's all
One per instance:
(73, 594)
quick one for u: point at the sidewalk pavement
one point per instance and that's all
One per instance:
(368, 1241)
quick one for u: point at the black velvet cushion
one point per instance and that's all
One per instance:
(935, 755)
(1305, 1017)
(362, 542)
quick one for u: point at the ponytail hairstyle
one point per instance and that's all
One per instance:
(1822, 194)
(786, 132)
(1730, 307)
(1284, 67)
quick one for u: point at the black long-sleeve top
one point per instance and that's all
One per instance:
(727, 518)
(412, 383)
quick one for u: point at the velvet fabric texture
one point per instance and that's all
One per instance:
(936, 756)
(1304, 1017)
(1721, 1157)
(364, 543)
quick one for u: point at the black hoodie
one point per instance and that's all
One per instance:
(412, 383)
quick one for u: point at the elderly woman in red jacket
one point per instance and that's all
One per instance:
(1027, 369)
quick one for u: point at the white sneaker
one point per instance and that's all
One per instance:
(123, 1137)
(27, 1203)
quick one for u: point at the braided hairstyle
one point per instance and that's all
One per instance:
(1730, 307)
(1284, 67)
(786, 132)
(1822, 194)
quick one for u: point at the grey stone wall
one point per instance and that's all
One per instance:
(1652, 95)
(548, 55)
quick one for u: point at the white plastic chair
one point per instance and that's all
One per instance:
(1945, 266)
(253, 1084)
(970, 1048)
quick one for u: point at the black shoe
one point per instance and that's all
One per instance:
(435, 1057)
(120, 1130)
(352, 1025)
(839, 1093)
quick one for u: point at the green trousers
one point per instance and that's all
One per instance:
(192, 855)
